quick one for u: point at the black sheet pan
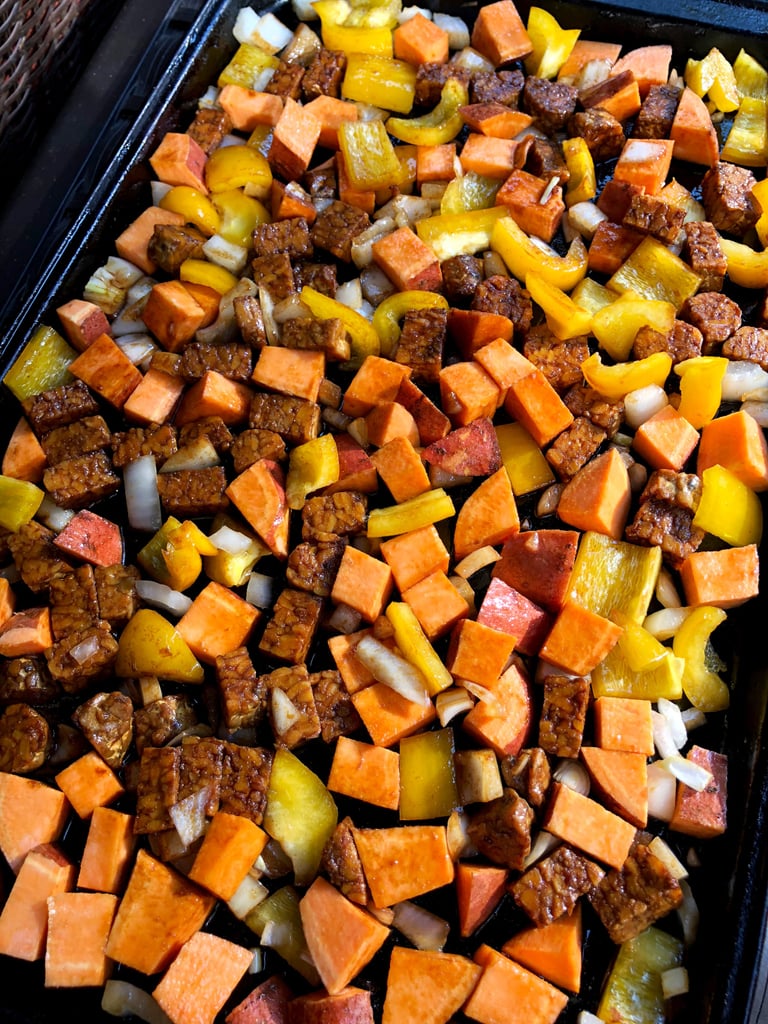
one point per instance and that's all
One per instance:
(728, 980)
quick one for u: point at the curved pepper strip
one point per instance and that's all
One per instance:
(746, 268)
(231, 167)
(582, 180)
(193, 206)
(564, 318)
(614, 382)
(239, 215)
(389, 313)
(701, 388)
(522, 255)
(552, 44)
(440, 125)
(703, 687)
(363, 338)
(209, 274)
(311, 465)
(728, 508)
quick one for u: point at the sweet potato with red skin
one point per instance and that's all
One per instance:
(505, 723)
(259, 494)
(26, 632)
(703, 814)
(538, 563)
(83, 322)
(92, 538)
(471, 450)
(356, 471)
(180, 160)
(432, 422)
(267, 1004)
(350, 1006)
(479, 890)
(507, 609)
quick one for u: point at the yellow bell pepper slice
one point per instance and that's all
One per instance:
(701, 388)
(151, 646)
(194, 207)
(591, 295)
(470, 191)
(614, 577)
(182, 562)
(240, 215)
(654, 272)
(243, 166)
(746, 268)
(353, 39)
(369, 156)
(522, 254)
(246, 66)
(379, 80)
(19, 502)
(617, 381)
(427, 776)
(389, 313)
(552, 44)
(209, 274)
(261, 139)
(728, 509)
(616, 325)
(751, 77)
(150, 557)
(311, 465)
(747, 142)
(582, 183)
(614, 678)
(713, 76)
(363, 338)
(231, 569)
(640, 648)
(423, 510)
(190, 533)
(564, 318)
(43, 363)
(415, 647)
(440, 125)
(456, 234)
(376, 14)
(523, 460)
(702, 686)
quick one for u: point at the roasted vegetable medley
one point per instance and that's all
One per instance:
(367, 522)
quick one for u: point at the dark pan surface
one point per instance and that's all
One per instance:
(727, 983)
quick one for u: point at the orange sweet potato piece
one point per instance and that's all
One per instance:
(31, 814)
(407, 261)
(432, 423)
(503, 724)
(26, 632)
(737, 442)
(390, 420)
(692, 133)
(218, 621)
(703, 814)
(172, 315)
(24, 458)
(507, 609)
(623, 723)
(468, 393)
(479, 890)
(230, 846)
(132, 243)
(201, 978)
(88, 783)
(405, 862)
(180, 160)
(648, 64)
(266, 1004)
(91, 538)
(158, 913)
(377, 380)
(666, 439)
(538, 563)
(414, 555)
(488, 516)
(586, 50)
(488, 155)
(290, 371)
(522, 194)
(401, 469)
(259, 494)
(107, 851)
(427, 986)
(598, 497)
(387, 716)
(105, 368)
(83, 322)
(508, 992)
(296, 134)
(24, 917)
(621, 779)
(78, 927)
(436, 603)
(495, 119)
(154, 398)
(248, 109)
(611, 245)
(435, 163)
(579, 639)
(353, 672)
(365, 772)
(215, 395)
(619, 94)
(7, 600)
(362, 582)
(419, 40)
(341, 937)
(478, 652)
(588, 826)
(331, 113)
(535, 404)
(474, 330)
(351, 1005)
(724, 578)
(645, 162)
(553, 950)
(503, 361)
(499, 33)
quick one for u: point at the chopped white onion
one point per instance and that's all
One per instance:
(663, 739)
(476, 560)
(136, 347)
(52, 515)
(344, 619)
(457, 29)
(741, 379)
(546, 668)
(392, 670)
(421, 927)
(665, 623)
(249, 894)
(304, 46)
(224, 327)
(188, 815)
(543, 844)
(161, 596)
(260, 590)
(225, 254)
(160, 189)
(198, 454)
(662, 850)
(257, 963)
(641, 404)
(142, 499)
(688, 913)
(451, 702)
(123, 999)
(457, 836)
(284, 712)
(270, 324)
(585, 217)
(688, 772)
(758, 411)
(471, 59)
(440, 477)
(233, 542)
(276, 934)
(693, 718)
(573, 774)
(124, 273)
(85, 650)
(208, 101)
(465, 590)
(304, 10)
(674, 982)
(666, 591)
(405, 211)
(290, 308)
(410, 12)
(361, 248)
(350, 294)
(662, 790)
(674, 718)
(270, 34)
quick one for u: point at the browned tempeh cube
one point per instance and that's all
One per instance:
(106, 720)
(256, 443)
(59, 406)
(158, 439)
(563, 714)
(81, 481)
(202, 764)
(162, 719)
(245, 780)
(553, 886)
(242, 690)
(72, 597)
(230, 359)
(82, 437)
(296, 420)
(188, 493)
(157, 789)
(116, 592)
(337, 713)
(212, 427)
(312, 565)
(294, 717)
(289, 633)
(421, 343)
(329, 336)
(83, 657)
(327, 517)
(36, 557)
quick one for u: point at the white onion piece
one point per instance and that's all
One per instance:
(136, 347)
(741, 379)
(124, 273)
(270, 324)
(85, 649)
(663, 739)
(233, 542)
(421, 927)
(440, 477)
(159, 595)
(246, 24)
(457, 836)
(688, 913)
(276, 934)
(476, 560)
(368, 112)
(666, 591)
(546, 668)
(674, 982)
(142, 499)
(693, 718)
(304, 46)
(122, 999)
(757, 410)
(410, 12)
(543, 844)
(224, 253)
(451, 702)
(664, 623)
(198, 454)
(361, 249)
(350, 294)
(249, 894)
(572, 773)
(208, 101)
(392, 670)
(188, 815)
(257, 963)
(267, 32)
(344, 619)
(641, 404)
(260, 590)
(160, 189)
(290, 308)
(284, 712)
(273, 861)
(52, 515)
(471, 59)
(687, 772)
(457, 29)
(662, 790)
(304, 10)
(465, 590)
(674, 718)
(673, 864)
